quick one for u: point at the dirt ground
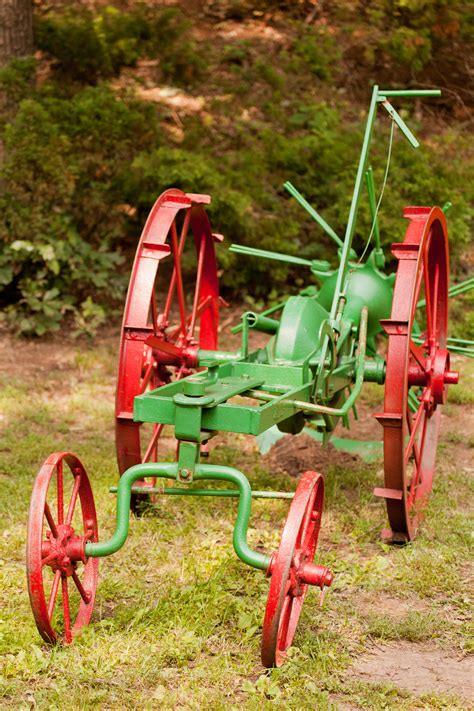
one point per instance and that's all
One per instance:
(418, 668)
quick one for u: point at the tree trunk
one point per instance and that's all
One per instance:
(16, 29)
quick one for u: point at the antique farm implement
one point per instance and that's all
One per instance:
(321, 348)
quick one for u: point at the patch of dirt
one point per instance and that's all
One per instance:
(394, 608)
(30, 360)
(296, 455)
(420, 669)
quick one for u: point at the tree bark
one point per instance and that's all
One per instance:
(16, 29)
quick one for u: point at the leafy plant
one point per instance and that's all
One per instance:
(87, 47)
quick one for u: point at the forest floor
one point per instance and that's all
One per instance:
(178, 618)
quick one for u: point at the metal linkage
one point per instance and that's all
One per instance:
(170, 471)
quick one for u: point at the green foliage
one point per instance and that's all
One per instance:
(60, 220)
(316, 50)
(83, 165)
(87, 47)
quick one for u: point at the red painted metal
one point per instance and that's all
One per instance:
(410, 439)
(59, 547)
(292, 569)
(159, 340)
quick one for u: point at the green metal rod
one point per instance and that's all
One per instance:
(409, 92)
(311, 211)
(452, 347)
(461, 340)
(266, 254)
(225, 493)
(217, 356)
(400, 123)
(267, 312)
(454, 290)
(352, 219)
(369, 179)
(170, 471)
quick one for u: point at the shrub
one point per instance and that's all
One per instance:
(61, 228)
(88, 47)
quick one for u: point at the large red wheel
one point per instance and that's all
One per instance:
(55, 551)
(162, 329)
(292, 569)
(418, 371)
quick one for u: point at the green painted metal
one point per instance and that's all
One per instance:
(264, 324)
(374, 370)
(298, 335)
(379, 255)
(365, 286)
(319, 267)
(212, 472)
(400, 122)
(314, 214)
(352, 218)
(267, 312)
(224, 493)
(410, 93)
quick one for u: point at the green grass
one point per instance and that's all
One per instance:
(178, 618)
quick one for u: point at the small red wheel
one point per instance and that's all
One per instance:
(292, 569)
(162, 331)
(60, 548)
(418, 370)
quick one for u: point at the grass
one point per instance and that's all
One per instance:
(178, 619)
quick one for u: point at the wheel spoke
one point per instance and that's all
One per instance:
(154, 311)
(152, 444)
(415, 481)
(410, 429)
(284, 622)
(66, 609)
(414, 429)
(202, 305)
(49, 558)
(197, 290)
(60, 480)
(146, 378)
(83, 593)
(54, 592)
(50, 520)
(73, 500)
(434, 332)
(417, 353)
(172, 286)
(179, 280)
(306, 530)
(428, 298)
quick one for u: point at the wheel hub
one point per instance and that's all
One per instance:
(64, 551)
(435, 376)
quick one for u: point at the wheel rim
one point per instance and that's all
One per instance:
(292, 569)
(417, 375)
(156, 311)
(55, 544)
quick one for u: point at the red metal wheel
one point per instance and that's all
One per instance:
(56, 541)
(162, 331)
(292, 569)
(418, 370)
